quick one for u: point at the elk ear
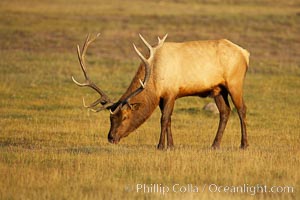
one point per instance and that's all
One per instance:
(135, 106)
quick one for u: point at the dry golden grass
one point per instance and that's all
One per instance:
(52, 148)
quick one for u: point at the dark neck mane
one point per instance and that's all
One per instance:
(147, 99)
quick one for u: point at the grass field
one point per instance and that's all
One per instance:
(53, 148)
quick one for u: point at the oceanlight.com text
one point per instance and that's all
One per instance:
(211, 188)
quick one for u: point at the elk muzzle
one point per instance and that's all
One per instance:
(113, 137)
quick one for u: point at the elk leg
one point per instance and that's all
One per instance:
(166, 106)
(169, 135)
(224, 109)
(241, 109)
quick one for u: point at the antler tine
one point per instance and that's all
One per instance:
(95, 103)
(147, 67)
(82, 64)
(161, 41)
(140, 55)
(81, 54)
(147, 44)
(77, 83)
(158, 39)
(86, 44)
(164, 38)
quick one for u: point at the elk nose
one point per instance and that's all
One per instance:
(110, 138)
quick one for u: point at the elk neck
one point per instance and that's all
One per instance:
(148, 100)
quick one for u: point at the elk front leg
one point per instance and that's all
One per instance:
(166, 106)
(224, 109)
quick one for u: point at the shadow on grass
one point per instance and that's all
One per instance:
(22, 142)
(108, 148)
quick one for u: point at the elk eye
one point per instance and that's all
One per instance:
(124, 117)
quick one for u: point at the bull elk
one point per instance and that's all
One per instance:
(214, 68)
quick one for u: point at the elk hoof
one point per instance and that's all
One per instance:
(244, 146)
(160, 147)
(170, 147)
(215, 146)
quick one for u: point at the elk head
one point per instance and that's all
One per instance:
(123, 113)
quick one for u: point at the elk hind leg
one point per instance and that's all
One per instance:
(238, 101)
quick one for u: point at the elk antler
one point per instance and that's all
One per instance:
(161, 41)
(147, 66)
(103, 100)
